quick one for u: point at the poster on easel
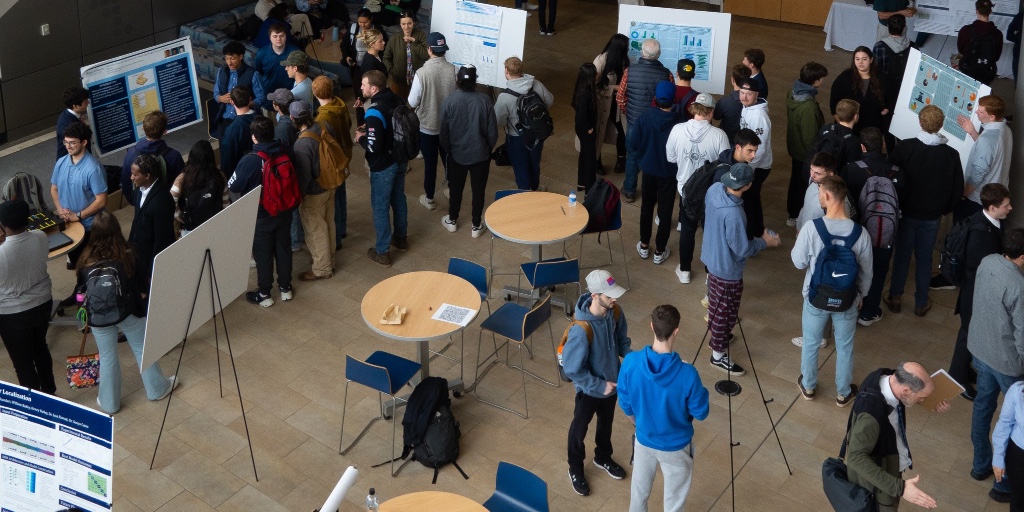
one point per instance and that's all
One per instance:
(927, 81)
(55, 455)
(696, 35)
(124, 89)
(480, 34)
(947, 17)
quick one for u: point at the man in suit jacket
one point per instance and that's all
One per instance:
(153, 225)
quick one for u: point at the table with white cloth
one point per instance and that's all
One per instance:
(852, 23)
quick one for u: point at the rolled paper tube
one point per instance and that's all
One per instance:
(348, 479)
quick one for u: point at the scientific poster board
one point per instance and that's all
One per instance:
(928, 81)
(947, 17)
(228, 236)
(55, 455)
(480, 34)
(697, 35)
(124, 89)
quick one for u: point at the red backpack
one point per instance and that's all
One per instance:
(280, 185)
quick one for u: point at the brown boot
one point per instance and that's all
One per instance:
(383, 259)
(310, 276)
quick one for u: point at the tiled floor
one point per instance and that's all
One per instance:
(289, 357)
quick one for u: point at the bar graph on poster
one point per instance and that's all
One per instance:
(677, 42)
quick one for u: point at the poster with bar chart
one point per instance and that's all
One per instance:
(677, 42)
(54, 454)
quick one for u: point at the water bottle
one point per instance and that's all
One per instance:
(572, 198)
(371, 501)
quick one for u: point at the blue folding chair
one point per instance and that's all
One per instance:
(475, 273)
(553, 272)
(385, 373)
(614, 225)
(517, 490)
(515, 323)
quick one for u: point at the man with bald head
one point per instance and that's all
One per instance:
(876, 449)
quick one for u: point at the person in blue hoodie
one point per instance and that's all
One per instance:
(154, 125)
(662, 395)
(725, 251)
(590, 358)
(649, 138)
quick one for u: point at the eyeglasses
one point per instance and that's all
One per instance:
(70, 143)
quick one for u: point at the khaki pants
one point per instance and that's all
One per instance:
(317, 215)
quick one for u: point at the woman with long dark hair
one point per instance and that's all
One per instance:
(584, 101)
(108, 249)
(200, 178)
(862, 83)
(610, 66)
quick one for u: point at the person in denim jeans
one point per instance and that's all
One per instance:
(996, 341)
(525, 159)
(387, 174)
(808, 248)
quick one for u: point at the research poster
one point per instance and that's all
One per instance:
(677, 42)
(946, 17)
(55, 454)
(124, 89)
(475, 41)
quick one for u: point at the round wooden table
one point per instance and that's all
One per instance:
(535, 218)
(73, 230)
(431, 501)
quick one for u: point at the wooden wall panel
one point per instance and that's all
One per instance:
(764, 9)
(805, 12)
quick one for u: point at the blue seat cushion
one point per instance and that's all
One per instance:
(400, 369)
(507, 321)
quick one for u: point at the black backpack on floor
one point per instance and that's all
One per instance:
(429, 429)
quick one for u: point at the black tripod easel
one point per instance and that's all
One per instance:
(214, 307)
(730, 388)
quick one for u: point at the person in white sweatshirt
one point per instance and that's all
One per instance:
(690, 145)
(755, 117)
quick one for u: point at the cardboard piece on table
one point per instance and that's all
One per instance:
(945, 389)
(393, 315)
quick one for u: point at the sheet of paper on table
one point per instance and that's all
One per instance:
(945, 389)
(454, 314)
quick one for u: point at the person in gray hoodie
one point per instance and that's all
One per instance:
(724, 251)
(891, 53)
(590, 358)
(468, 133)
(525, 160)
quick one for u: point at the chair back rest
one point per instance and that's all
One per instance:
(550, 273)
(537, 316)
(369, 375)
(498, 194)
(522, 487)
(475, 273)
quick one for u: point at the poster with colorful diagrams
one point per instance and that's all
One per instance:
(677, 42)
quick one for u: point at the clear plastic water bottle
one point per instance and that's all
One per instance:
(572, 198)
(371, 501)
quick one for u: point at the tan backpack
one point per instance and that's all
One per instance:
(333, 160)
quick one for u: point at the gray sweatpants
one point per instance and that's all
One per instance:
(676, 468)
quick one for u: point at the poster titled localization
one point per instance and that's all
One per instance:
(124, 89)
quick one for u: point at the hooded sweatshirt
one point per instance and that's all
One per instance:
(933, 179)
(335, 113)
(649, 139)
(755, 117)
(248, 173)
(505, 104)
(803, 120)
(725, 248)
(665, 395)
(591, 364)
(692, 143)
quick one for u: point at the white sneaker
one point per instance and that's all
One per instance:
(679, 227)
(427, 203)
(449, 224)
(529, 7)
(286, 295)
(252, 263)
(657, 220)
(660, 258)
(447, 193)
(799, 341)
(419, 156)
(174, 383)
(644, 253)
(790, 221)
(683, 275)
(704, 302)
(477, 231)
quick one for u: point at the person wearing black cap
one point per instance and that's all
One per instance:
(25, 298)
(649, 138)
(468, 133)
(686, 69)
(434, 82)
(754, 117)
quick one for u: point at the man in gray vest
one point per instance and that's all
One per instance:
(636, 92)
(433, 82)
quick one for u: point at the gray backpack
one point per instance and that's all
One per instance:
(28, 188)
(879, 206)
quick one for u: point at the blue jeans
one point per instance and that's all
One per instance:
(844, 323)
(387, 196)
(917, 237)
(430, 146)
(153, 379)
(525, 162)
(632, 168)
(340, 214)
(990, 383)
(870, 307)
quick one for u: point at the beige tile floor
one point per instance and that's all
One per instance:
(289, 358)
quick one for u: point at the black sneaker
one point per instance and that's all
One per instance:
(808, 394)
(981, 476)
(843, 401)
(999, 496)
(727, 366)
(939, 282)
(612, 468)
(579, 482)
(255, 297)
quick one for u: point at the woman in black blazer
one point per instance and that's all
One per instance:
(862, 82)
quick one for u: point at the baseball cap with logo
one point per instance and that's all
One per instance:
(296, 58)
(739, 176)
(705, 99)
(601, 281)
(467, 72)
(298, 108)
(436, 42)
(686, 68)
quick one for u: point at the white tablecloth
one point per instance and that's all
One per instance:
(852, 23)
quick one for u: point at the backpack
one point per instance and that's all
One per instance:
(535, 122)
(280, 186)
(979, 60)
(679, 109)
(405, 131)
(696, 188)
(833, 286)
(28, 188)
(200, 205)
(601, 201)
(429, 429)
(954, 251)
(107, 295)
(829, 141)
(616, 314)
(333, 160)
(162, 161)
(879, 206)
